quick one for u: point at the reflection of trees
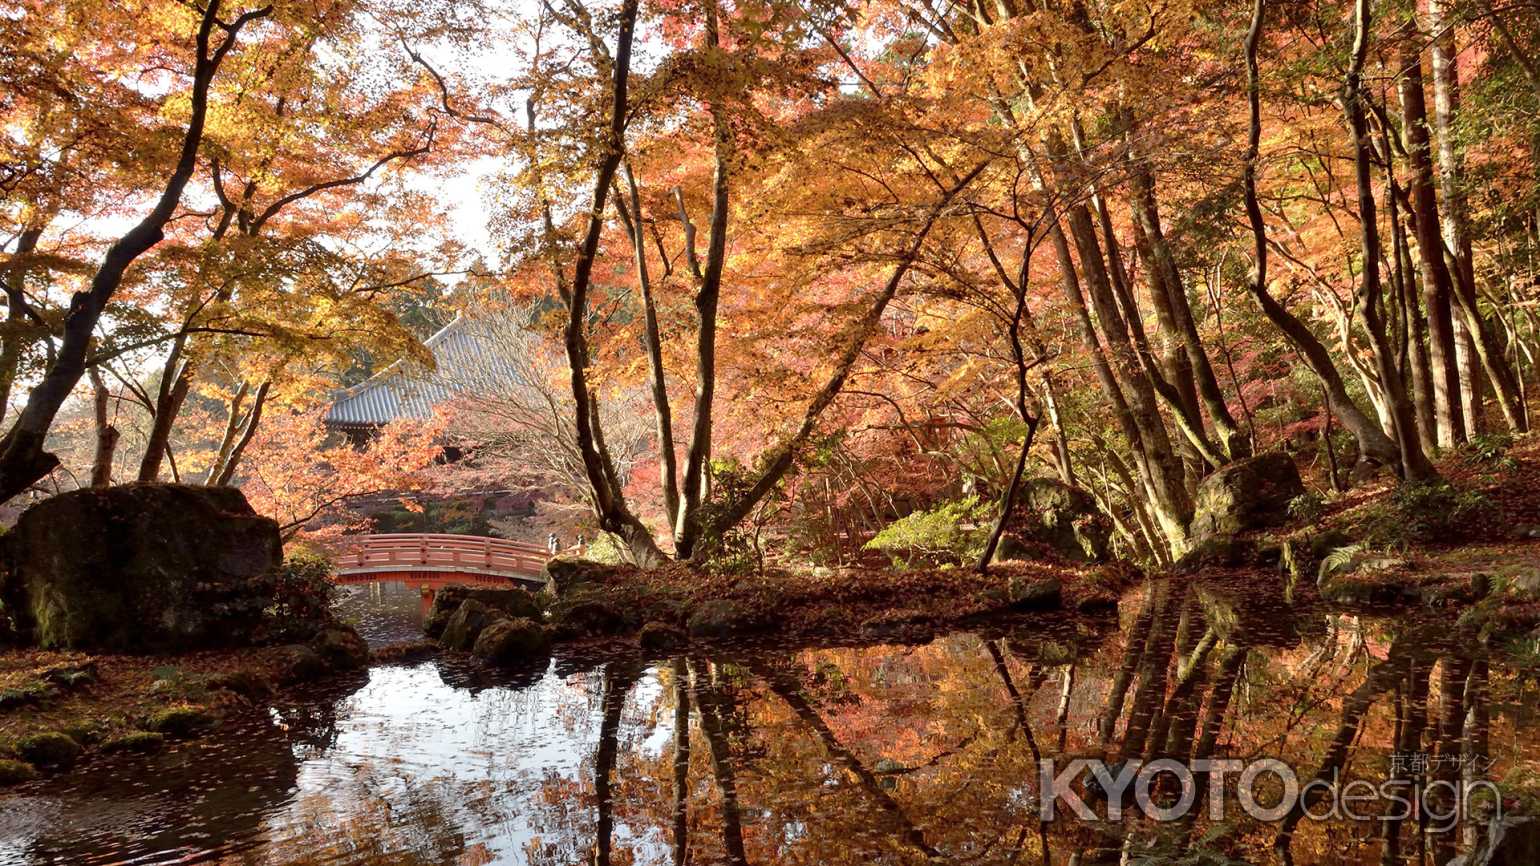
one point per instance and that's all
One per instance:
(715, 705)
(890, 816)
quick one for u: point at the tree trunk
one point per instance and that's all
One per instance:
(1008, 498)
(687, 525)
(1374, 447)
(668, 471)
(609, 502)
(1146, 211)
(780, 459)
(106, 434)
(1414, 463)
(248, 431)
(1437, 286)
(175, 381)
(15, 338)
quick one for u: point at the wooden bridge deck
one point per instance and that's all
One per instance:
(414, 555)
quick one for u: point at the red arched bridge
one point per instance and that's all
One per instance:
(438, 559)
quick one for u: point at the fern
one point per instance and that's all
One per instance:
(1339, 559)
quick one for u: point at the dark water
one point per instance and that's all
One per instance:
(875, 754)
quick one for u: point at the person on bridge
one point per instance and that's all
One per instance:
(552, 543)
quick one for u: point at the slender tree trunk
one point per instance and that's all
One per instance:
(687, 526)
(248, 432)
(1062, 458)
(1374, 448)
(175, 381)
(232, 430)
(1019, 358)
(22, 458)
(667, 463)
(780, 459)
(609, 502)
(106, 433)
(1414, 463)
(1437, 286)
(1146, 211)
(17, 326)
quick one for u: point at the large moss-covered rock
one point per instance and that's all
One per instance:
(512, 601)
(1026, 591)
(720, 618)
(341, 647)
(1064, 518)
(49, 749)
(512, 641)
(1247, 494)
(564, 574)
(466, 624)
(142, 567)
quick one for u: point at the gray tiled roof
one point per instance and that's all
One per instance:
(465, 357)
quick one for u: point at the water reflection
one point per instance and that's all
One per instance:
(837, 755)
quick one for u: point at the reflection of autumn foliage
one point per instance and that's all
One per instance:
(296, 471)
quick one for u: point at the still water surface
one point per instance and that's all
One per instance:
(853, 755)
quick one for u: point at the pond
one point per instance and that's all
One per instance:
(855, 754)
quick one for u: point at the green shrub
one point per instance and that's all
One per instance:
(1307, 506)
(302, 597)
(950, 532)
(1435, 511)
(1488, 449)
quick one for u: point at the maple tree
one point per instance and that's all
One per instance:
(819, 264)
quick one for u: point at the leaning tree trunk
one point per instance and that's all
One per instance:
(609, 502)
(1414, 463)
(1374, 447)
(23, 460)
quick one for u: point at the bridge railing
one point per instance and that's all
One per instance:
(413, 551)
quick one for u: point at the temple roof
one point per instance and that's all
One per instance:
(465, 357)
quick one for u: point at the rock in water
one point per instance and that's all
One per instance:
(466, 623)
(141, 568)
(513, 601)
(341, 648)
(564, 574)
(1247, 494)
(511, 641)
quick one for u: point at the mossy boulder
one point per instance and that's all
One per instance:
(721, 618)
(138, 742)
(564, 574)
(182, 720)
(1063, 518)
(49, 749)
(513, 602)
(466, 624)
(297, 663)
(588, 616)
(661, 637)
(1027, 591)
(512, 641)
(1248, 494)
(247, 684)
(141, 568)
(341, 647)
(14, 772)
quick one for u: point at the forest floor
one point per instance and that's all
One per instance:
(1470, 545)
